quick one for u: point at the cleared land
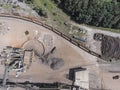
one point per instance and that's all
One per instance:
(71, 55)
(39, 72)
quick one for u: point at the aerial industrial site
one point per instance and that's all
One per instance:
(36, 54)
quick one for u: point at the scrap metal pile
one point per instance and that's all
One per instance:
(13, 58)
(110, 46)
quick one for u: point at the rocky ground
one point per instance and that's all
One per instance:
(18, 8)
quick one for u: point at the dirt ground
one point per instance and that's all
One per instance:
(107, 82)
(92, 44)
(71, 55)
(38, 72)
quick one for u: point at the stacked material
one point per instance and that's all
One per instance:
(110, 47)
(13, 58)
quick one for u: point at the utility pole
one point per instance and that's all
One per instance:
(5, 77)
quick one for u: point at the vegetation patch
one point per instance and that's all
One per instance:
(100, 13)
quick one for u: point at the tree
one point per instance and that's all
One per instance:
(93, 12)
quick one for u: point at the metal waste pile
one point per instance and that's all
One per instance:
(13, 58)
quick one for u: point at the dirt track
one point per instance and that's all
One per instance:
(110, 47)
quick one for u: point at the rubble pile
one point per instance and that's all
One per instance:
(17, 7)
(110, 47)
(13, 58)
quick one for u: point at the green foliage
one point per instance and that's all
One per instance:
(100, 13)
(57, 1)
(40, 11)
(36, 9)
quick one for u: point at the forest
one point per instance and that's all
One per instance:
(100, 13)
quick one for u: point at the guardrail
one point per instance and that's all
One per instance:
(34, 20)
